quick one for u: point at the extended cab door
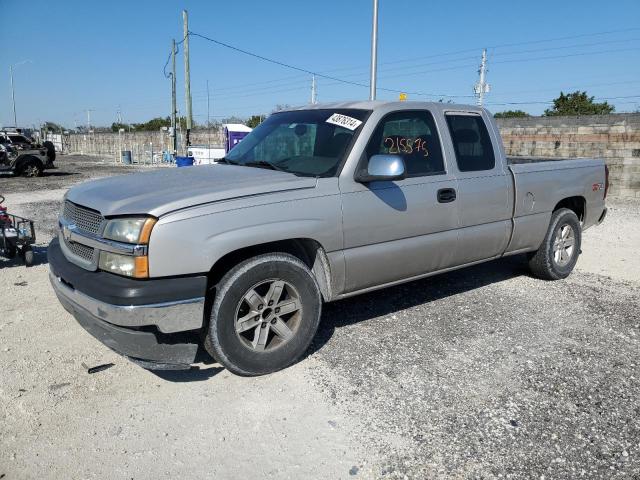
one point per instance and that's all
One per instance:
(484, 189)
(397, 230)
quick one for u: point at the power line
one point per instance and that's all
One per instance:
(164, 69)
(570, 37)
(519, 60)
(310, 72)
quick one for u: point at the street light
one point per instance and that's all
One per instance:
(13, 93)
(374, 52)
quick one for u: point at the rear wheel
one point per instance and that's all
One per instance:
(31, 167)
(265, 314)
(28, 256)
(51, 151)
(10, 250)
(558, 254)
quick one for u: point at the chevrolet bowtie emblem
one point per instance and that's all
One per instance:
(67, 229)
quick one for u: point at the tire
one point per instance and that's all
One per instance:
(556, 257)
(28, 256)
(10, 250)
(31, 167)
(51, 151)
(267, 342)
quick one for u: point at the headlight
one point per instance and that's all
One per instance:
(129, 230)
(137, 267)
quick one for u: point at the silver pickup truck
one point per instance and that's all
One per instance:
(316, 204)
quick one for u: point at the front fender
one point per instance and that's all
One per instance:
(187, 246)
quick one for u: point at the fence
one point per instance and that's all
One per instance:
(145, 147)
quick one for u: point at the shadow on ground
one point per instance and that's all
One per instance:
(206, 369)
(393, 299)
(40, 258)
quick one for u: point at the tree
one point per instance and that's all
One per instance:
(512, 114)
(280, 107)
(154, 124)
(233, 119)
(115, 127)
(52, 127)
(578, 103)
(254, 121)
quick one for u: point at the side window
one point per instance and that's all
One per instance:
(471, 142)
(413, 136)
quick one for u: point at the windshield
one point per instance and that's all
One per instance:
(305, 142)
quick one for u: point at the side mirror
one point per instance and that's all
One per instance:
(382, 168)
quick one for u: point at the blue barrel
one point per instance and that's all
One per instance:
(126, 157)
(184, 161)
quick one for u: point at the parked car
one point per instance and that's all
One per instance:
(25, 157)
(316, 204)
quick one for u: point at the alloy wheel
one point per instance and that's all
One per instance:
(268, 315)
(564, 245)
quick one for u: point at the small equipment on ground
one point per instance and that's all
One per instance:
(16, 235)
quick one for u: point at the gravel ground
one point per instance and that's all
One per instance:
(480, 373)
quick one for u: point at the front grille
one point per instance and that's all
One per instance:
(83, 251)
(84, 218)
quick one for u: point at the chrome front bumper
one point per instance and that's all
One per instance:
(168, 317)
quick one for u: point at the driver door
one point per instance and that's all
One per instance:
(401, 229)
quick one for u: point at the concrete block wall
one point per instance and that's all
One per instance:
(141, 144)
(615, 137)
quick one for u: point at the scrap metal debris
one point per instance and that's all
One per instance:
(97, 368)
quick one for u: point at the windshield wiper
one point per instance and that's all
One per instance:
(265, 164)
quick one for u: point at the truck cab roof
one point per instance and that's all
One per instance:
(389, 105)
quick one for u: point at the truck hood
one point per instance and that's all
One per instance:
(162, 191)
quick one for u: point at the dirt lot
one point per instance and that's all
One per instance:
(479, 373)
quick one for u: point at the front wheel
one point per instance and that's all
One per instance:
(558, 254)
(265, 313)
(28, 256)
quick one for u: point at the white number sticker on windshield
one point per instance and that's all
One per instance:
(344, 121)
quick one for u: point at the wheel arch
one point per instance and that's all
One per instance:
(24, 160)
(577, 204)
(308, 250)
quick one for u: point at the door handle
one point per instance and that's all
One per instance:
(446, 195)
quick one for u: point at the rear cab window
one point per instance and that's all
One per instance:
(471, 142)
(411, 134)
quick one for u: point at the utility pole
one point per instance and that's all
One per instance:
(13, 96)
(314, 91)
(89, 120)
(482, 87)
(187, 76)
(374, 52)
(174, 134)
(208, 127)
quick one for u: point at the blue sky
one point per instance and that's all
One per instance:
(107, 56)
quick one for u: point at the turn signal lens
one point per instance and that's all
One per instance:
(145, 233)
